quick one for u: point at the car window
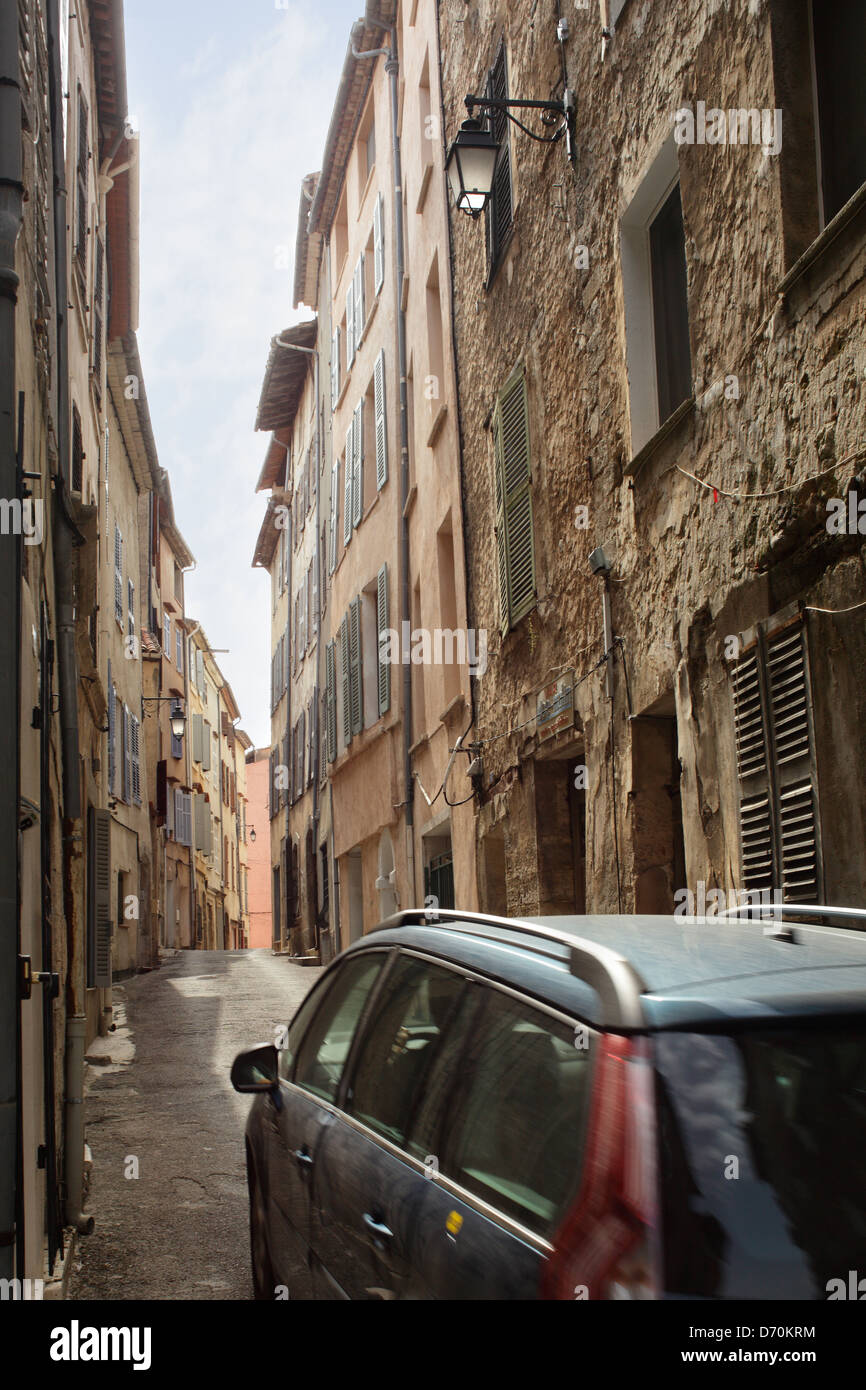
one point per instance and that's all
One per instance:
(519, 1121)
(412, 1015)
(290, 1039)
(324, 1049)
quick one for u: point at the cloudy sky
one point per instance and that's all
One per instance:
(232, 99)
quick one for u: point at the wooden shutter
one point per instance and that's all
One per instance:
(358, 283)
(302, 749)
(349, 470)
(98, 315)
(335, 511)
(357, 681)
(111, 734)
(99, 897)
(331, 700)
(350, 325)
(124, 719)
(379, 243)
(514, 538)
(335, 365)
(756, 829)
(135, 760)
(196, 737)
(199, 670)
(499, 211)
(82, 213)
(205, 745)
(312, 712)
(346, 680)
(381, 421)
(314, 596)
(382, 625)
(118, 574)
(358, 463)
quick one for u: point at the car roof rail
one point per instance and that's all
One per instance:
(780, 910)
(615, 980)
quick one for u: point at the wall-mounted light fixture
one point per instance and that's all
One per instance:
(177, 716)
(471, 160)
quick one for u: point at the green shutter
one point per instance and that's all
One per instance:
(346, 680)
(357, 683)
(514, 535)
(349, 468)
(382, 625)
(358, 463)
(99, 897)
(381, 429)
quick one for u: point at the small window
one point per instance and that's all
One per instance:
(670, 306)
(839, 36)
(411, 1020)
(517, 1135)
(324, 1050)
(370, 148)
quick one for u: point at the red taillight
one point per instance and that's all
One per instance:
(603, 1246)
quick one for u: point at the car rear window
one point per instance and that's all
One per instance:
(762, 1161)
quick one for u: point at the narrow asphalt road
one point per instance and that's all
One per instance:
(163, 1108)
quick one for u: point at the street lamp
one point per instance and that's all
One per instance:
(253, 833)
(471, 161)
(177, 716)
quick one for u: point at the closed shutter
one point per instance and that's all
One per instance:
(382, 625)
(357, 683)
(162, 789)
(349, 469)
(196, 737)
(358, 463)
(381, 421)
(335, 510)
(779, 821)
(135, 760)
(98, 315)
(205, 745)
(126, 768)
(199, 670)
(302, 749)
(379, 243)
(499, 211)
(314, 596)
(118, 575)
(130, 609)
(111, 757)
(82, 214)
(335, 365)
(358, 282)
(346, 680)
(350, 325)
(331, 700)
(271, 788)
(99, 898)
(514, 539)
(311, 741)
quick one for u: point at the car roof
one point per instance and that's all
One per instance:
(680, 971)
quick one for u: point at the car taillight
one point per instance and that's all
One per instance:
(604, 1246)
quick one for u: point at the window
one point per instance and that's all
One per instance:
(516, 1136)
(335, 366)
(839, 41)
(82, 213)
(370, 149)
(196, 737)
(779, 820)
(111, 732)
(514, 537)
(380, 421)
(118, 577)
(98, 316)
(77, 471)
(334, 519)
(130, 609)
(325, 1048)
(411, 1018)
(670, 306)
(378, 243)
(166, 635)
(358, 306)
(499, 210)
(178, 649)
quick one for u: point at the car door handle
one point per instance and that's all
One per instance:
(305, 1160)
(377, 1228)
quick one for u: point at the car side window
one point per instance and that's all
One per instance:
(518, 1130)
(412, 1015)
(323, 1050)
(292, 1037)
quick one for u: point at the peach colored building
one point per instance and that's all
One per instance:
(258, 849)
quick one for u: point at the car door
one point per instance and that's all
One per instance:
(511, 1134)
(299, 1111)
(369, 1187)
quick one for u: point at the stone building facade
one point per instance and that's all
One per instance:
(660, 354)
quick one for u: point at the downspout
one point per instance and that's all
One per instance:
(65, 537)
(11, 192)
(392, 68)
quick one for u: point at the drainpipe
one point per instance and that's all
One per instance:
(11, 190)
(392, 68)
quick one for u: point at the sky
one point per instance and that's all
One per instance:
(232, 100)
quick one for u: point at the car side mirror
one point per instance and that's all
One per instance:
(255, 1069)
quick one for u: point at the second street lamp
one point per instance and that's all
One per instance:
(470, 164)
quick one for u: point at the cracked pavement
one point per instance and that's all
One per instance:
(159, 1092)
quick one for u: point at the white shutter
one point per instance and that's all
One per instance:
(205, 745)
(118, 575)
(382, 625)
(125, 746)
(335, 508)
(381, 421)
(358, 280)
(350, 325)
(335, 365)
(135, 750)
(314, 597)
(379, 243)
(349, 469)
(358, 463)
(196, 737)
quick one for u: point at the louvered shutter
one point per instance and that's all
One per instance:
(350, 325)
(382, 625)
(346, 680)
(515, 545)
(331, 700)
(358, 463)
(118, 575)
(357, 684)
(756, 819)
(358, 281)
(126, 768)
(135, 760)
(349, 469)
(335, 365)
(98, 316)
(99, 897)
(499, 211)
(83, 217)
(381, 421)
(199, 670)
(302, 748)
(205, 745)
(379, 243)
(196, 737)
(111, 758)
(335, 511)
(314, 597)
(302, 596)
